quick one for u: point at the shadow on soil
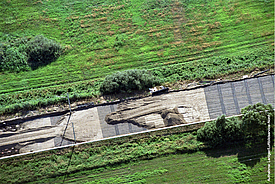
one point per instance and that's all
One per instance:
(249, 156)
(125, 96)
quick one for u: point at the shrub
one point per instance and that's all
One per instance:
(13, 60)
(255, 120)
(156, 4)
(119, 42)
(19, 54)
(220, 131)
(127, 81)
(42, 51)
(13, 56)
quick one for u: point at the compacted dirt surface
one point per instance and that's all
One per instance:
(104, 121)
(158, 111)
(134, 115)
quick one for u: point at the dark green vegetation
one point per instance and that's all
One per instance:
(175, 154)
(13, 56)
(175, 40)
(127, 81)
(42, 51)
(255, 120)
(23, 54)
(252, 127)
(221, 131)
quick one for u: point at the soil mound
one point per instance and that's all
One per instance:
(172, 117)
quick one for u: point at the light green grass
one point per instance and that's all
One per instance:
(233, 165)
(168, 155)
(184, 168)
(174, 32)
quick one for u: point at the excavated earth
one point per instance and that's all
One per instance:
(136, 115)
(163, 110)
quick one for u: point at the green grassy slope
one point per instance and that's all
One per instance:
(150, 158)
(102, 37)
(199, 167)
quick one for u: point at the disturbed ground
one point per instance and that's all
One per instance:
(178, 85)
(162, 110)
(134, 115)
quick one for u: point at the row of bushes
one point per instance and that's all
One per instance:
(253, 126)
(43, 102)
(24, 54)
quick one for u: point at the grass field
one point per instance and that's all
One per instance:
(176, 40)
(214, 166)
(155, 157)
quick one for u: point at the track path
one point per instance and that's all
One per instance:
(194, 104)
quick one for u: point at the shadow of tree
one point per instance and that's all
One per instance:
(123, 96)
(35, 64)
(248, 155)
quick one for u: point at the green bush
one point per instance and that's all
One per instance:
(255, 120)
(220, 131)
(19, 54)
(119, 42)
(156, 4)
(42, 51)
(13, 60)
(253, 126)
(127, 81)
(13, 56)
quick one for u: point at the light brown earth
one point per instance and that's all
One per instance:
(32, 136)
(39, 133)
(150, 112)
(86, 125)
(189, 106)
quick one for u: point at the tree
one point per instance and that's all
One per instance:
(255, 120)
(220, 131)
(42, 51)
(126, 81)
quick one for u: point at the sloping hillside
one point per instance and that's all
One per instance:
(176, 40)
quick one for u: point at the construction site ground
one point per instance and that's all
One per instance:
(136, 115)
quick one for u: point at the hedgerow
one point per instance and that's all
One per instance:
(126, 81)
(210, 68)
(33, 99)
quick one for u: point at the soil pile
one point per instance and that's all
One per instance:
(172, 117)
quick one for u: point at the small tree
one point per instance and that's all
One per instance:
(220, 131)
(13, 56)
(126, 81)
(42, 51)
(13, 60)
(255, 120)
